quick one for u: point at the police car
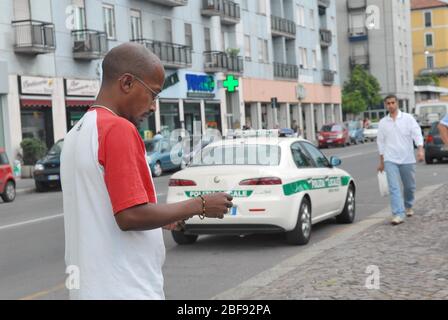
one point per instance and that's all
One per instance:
(278, 185)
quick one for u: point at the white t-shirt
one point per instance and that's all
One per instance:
(103, 172)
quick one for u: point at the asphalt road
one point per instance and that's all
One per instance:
(32, 240)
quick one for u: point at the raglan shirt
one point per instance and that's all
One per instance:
(103, 172)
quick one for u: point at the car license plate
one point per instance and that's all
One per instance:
(53, 177)
(233, 211)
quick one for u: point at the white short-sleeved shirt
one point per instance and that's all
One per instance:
(103, 172)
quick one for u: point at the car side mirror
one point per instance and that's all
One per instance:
(335, 161)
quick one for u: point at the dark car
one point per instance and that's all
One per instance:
(47, 170)
(333, 134)
(434, 147)
(7, 181)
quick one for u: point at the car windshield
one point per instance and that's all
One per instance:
(56, 148)
(332, 128)
(373, 126)
(251, 154)
(440, 109)
(152, 146)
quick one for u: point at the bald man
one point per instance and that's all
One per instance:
(114, 247)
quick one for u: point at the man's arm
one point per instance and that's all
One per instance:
(380, 140)
(418, 139)
(153, 216)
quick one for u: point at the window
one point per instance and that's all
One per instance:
(21, 10)
(207, 40)
(301, 16)
(263, 54)
(109, 21)
(303, 58)
(430, 62)
(247, 47)
(314, 62)
(168, 30)
(262, 6)
(136, 24)
(300, 157)
(319, 159)
(244, 5)
(335, 63)
(189, 35)
(312, 19)
(429, 40)
(428, 19)
(80, 15)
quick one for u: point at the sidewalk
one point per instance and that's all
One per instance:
(411, 259)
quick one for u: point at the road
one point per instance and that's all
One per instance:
(32, 240)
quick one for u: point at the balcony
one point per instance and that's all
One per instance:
(286, 71)
(326, 38)
(434, 71)
(327, 77)
(218, 61)
(281, 27)
(359, 60)
(323, 3)
(171, 3)
(356, 4)
(89, 44)
(229, 11)
(33, 37)
(172, 55)
(357, 34)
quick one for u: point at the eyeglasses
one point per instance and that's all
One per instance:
(155, 95)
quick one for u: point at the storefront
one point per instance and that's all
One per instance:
(79, 96)
(35, 108)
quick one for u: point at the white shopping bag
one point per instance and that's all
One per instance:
(382, 182)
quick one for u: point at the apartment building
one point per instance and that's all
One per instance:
(376, 34)
(263, 63)
(430, 41)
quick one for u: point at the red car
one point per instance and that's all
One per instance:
(333, 134)
(7, 181)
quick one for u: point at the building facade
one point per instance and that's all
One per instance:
(263, 63)
(376, 34)
(430, 40)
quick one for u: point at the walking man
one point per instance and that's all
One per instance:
(396, 134)
(113, 235)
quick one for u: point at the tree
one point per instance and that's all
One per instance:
(360, 91)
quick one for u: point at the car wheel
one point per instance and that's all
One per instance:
(428, 159)
(348, 213)
(181, 238)
(301, 234)
(158, 169)
(10, 192)
(40, 187)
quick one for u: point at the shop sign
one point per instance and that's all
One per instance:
(81, 88)
(200, 86)
(36, 85)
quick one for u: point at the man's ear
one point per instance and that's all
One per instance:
(126, 83)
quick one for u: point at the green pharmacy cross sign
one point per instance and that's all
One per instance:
(231, 83)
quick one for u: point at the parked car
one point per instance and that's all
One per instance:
(333, 134)
(7, 181)
(163, 155)
(434, 146)
(191, 147)
(356, 132)
(47, 170)
(371, 132)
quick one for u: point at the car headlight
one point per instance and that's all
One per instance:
(39, 167)
(320, 138)
(340, 136)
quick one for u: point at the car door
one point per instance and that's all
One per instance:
(309, 174)
(165, 155)
(328, 181)
(3, 170)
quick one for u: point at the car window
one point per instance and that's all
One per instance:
(57, 148)
(318, 157)
(3, 158)
(373, 126)
(300, 157)
(435, 129)
(337, 128)
(164, 146)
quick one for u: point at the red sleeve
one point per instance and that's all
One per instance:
(122, 155)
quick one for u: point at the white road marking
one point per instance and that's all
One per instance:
(24, 223)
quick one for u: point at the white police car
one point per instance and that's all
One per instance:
(278, 185)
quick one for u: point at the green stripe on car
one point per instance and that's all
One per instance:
(314, 184)
(233, 193)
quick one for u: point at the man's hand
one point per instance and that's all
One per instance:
(420, 154)
(217, 205)
(176, 226)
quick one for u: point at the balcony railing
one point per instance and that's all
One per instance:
(434, 71)
(33, 37)
(324, 3)
(358, 34)
(359, 60)
(89, 44)
(327, 77)
(218, 61)
(171, 3)
(285, 71)
(229, 11)
(326, 37)
(172, 55)
(356, 4)
(283, 27)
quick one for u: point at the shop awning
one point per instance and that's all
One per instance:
(77, 103)
(35, 103)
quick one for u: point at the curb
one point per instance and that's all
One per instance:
(265, 278)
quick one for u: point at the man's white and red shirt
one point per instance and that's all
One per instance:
(103, 172)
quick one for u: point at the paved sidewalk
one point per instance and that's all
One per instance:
(412, 260)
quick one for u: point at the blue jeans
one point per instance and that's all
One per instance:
(405, 172)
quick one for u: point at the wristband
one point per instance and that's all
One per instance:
(202, 215)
